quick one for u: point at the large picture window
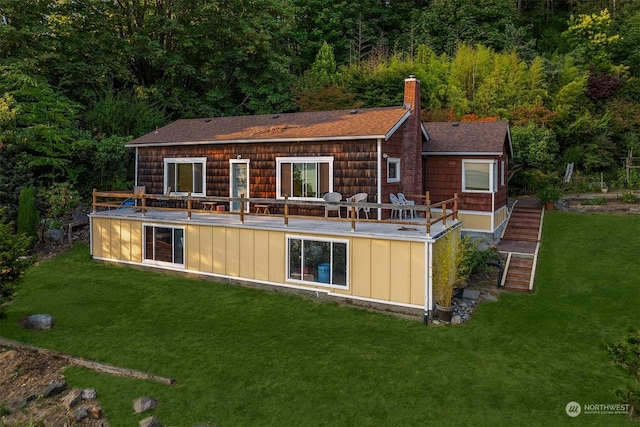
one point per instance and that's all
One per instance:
(185, 175)
(314, 260)
(479, 176)
(304, 177)
(164, 244)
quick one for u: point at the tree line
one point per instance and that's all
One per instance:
(80, 79)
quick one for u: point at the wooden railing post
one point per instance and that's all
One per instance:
(144, 204)
(427, 214)
(444, 214)
(286, 210)
(455, 206)
(189, 205)
(242, 211)
(95, 200)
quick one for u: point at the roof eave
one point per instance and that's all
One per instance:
(256, 141)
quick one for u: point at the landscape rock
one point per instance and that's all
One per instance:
(470, 294)
(456, 319)
(95, 412)
(150, 422)
(40, 322)
(89, 394)
(143, 404)
(56, 387)
(72, 399)
(81, 414)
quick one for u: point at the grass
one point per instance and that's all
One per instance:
(247, 357)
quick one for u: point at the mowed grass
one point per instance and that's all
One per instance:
(245, 357)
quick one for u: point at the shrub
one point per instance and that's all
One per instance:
(628, 197)
(626, 354)
(28, 213)
(596, 201)
(15, 257)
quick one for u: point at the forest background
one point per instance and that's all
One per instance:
(79, 79)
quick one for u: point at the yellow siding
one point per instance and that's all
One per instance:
(246, 254)
(500, 216)
(360, 264)
(386, 270)
(476, 222)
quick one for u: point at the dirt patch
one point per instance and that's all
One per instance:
(25, 376)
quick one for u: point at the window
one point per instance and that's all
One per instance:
(317, 261)
(185, 175)
(479, 176)
(164, 244)
(502, 172)
(393, 169)
(304, 177)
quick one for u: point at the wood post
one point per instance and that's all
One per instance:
(95, 200)
(189, 205)
(286, 211)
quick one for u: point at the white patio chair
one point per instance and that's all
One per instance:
(360, 198)
(332, 198)
(396, 212)
(404, 201)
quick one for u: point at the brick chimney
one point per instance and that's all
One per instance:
(411, 167)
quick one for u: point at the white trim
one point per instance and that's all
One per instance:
(398, 163)
(379, 178)
(135, 178)
(400, 123)
(231, 163)
(183, 160)
(462, 153)
(428, 277)
(303, 237)
(307, 159)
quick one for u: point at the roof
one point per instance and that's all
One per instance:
(489, 138)
(370, 123)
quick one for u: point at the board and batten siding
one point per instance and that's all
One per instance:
(385, 270)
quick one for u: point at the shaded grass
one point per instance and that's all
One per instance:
(247, 357)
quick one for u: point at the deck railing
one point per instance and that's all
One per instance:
(428, 213)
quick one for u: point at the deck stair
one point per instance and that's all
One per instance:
(519, 246)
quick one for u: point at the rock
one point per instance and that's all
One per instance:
(143, 404)
(95, 412)
(470, 294)
(150, 422)
(40, 322)
(81, 414)
(72, 399)
(456, 320)
(56, 387)
(89, 394)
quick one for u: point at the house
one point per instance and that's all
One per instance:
(299, 157)
(471, 159)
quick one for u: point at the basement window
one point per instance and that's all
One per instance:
(164, 245)
(318, 261)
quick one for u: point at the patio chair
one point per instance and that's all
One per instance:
(396, 212)
(404, 201)
(332, 198)
(360, 198)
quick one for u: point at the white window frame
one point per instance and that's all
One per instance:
(502, 173)
(316, 282)
(390, 161)
(152, 260)
(493, 178)
(182, 160)
(300, 160)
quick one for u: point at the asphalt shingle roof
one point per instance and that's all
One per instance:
(339, 124)
(467, 137)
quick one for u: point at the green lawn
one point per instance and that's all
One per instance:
(245, 357)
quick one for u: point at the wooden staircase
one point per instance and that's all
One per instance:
(519, 244)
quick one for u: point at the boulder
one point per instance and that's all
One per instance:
(89, 394)
(40, 322)
(143, 404)
(456, 320)
(72, 399)
(150, 422)
(81, 414)
(56, 387)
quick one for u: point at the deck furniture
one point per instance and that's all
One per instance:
(332, 198)
(404, 201)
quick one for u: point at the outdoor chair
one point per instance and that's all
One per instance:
(396, 212)
(332, 198)
(404, 201)
(360, 198)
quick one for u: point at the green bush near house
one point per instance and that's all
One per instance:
(248, 357)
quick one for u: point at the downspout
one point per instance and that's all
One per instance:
(379, 180)
(428, 283)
